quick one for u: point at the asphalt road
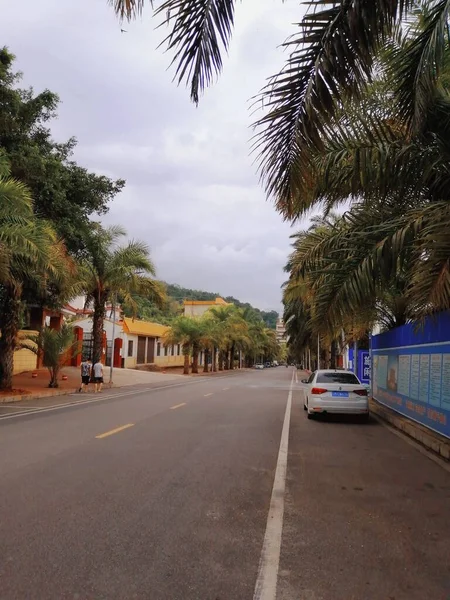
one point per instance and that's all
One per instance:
(165, 495)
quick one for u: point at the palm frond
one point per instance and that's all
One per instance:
(418, 63)
(331, 57)
(128, 9)
(200, 33)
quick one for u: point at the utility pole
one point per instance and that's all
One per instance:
(355, 357)
(111, 368)
(318, 351)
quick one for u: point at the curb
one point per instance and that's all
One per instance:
(19, 398)
(431, 440)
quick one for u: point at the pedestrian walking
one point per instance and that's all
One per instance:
(86, 368)
(98, 376)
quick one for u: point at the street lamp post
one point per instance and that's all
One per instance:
(318, 351)
(111, 367)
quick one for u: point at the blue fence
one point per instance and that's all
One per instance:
(363, 366)
(411, 371)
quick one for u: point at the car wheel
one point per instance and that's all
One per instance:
(365, 418)
(304, 407)
(310, 415)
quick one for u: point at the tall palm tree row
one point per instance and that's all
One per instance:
(223, 334)
(108, 270)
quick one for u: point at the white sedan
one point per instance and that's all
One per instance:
(335, 391)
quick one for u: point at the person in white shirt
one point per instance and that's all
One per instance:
(98, 376)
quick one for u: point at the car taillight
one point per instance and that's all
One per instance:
(361, 392)
(318, 391)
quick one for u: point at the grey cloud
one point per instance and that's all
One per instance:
(192, 192)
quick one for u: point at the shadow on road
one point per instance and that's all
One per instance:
(347, 419)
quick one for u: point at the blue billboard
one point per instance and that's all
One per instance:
(411, 371)
(363, 366)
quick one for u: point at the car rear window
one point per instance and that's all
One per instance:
(337, 378)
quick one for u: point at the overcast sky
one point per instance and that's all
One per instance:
(192, 192)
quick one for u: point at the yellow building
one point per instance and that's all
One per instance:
(143, 344)
(24, 359)
(197, 308)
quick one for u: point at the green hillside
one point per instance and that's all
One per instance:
(177, 294)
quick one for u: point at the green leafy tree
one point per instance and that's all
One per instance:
(109, 270)
(63, 192)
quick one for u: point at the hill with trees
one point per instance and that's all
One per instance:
(176, 294)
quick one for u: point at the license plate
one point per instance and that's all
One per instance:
(340, 394)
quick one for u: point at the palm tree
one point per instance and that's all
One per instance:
(53, 346)
(189, 332)
(212, 338)
(331, 56)
(31, 253)
(109, 270)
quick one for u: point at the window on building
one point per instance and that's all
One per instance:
(179, 349)
(165, 350)
(158, 349)
(173, 350)
(130, 347)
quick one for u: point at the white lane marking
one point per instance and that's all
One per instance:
(266, 582)
(225, 389)
(296, 377)
(98, 399)
(206, 395)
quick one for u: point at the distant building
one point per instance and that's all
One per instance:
(135, 343)
(280, 331)
(197, 308)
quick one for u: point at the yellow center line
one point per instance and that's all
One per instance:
(210, 394)
(113, 431)
(178, 406)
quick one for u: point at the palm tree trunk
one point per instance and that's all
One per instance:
(186, 353)
(97, 326)
(220, 360)
(195, 351)
(205, 366)
(53, 377)
(232, 352)
(227, 359)
(214, 359)
(9, 325)
(333, 353)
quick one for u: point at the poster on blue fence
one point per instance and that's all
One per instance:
(411, 371)
(363, 366)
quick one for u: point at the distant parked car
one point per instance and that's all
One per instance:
(259, 366)
(267, 365)
(335, 391)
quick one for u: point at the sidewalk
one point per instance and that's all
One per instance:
(426, 437)
(25, 387)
